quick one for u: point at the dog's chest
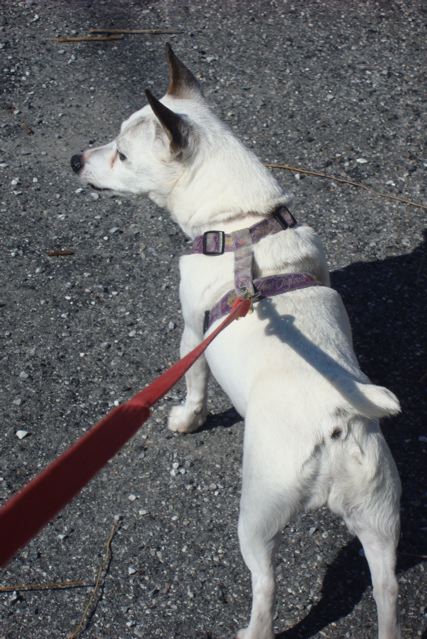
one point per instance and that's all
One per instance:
(203, 281)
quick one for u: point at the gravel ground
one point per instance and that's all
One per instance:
(333, 86)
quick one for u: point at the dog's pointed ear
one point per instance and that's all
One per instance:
(174, 124)
(182, 83)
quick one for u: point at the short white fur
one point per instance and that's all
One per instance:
(311, 431)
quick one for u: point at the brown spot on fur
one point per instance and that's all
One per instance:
(182, 83)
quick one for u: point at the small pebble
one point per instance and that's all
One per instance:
(22, 433)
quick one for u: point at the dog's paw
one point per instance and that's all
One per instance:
(182, 420)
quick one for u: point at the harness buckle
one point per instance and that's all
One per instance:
(213, 243)
(284, 217)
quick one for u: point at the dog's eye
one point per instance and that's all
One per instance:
(122, 156)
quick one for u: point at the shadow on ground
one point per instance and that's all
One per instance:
(225, 419)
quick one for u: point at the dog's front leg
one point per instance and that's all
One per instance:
(189, 416)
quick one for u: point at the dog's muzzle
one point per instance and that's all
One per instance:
(77, 163)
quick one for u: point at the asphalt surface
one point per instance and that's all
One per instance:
(331, 86)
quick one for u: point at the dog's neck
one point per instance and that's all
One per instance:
(225, 189)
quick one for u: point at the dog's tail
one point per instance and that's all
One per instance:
(373, 401)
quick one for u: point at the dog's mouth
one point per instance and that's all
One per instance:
(97, 188)
(108, 192)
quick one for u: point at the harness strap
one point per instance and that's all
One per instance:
(241, 242)
(218, 242)
(264, 287)
(243, 258)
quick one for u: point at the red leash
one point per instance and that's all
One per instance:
(26, 512)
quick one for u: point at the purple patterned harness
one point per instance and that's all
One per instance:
(240, 243)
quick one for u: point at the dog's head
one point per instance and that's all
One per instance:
(183, 157)
(155, 145)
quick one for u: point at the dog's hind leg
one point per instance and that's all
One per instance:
(258, 531)
(191, 415)
(267, 505)
(380, 553)
(369, 504)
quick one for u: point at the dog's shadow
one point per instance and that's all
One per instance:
(344, 584)
(225, 419)
(387, 305)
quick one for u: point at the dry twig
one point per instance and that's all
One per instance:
(95, 595)
(295, 169)
(87, 38)
(136, 31)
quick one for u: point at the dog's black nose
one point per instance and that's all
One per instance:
(77, 163)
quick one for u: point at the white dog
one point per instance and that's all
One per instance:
(311, 430)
